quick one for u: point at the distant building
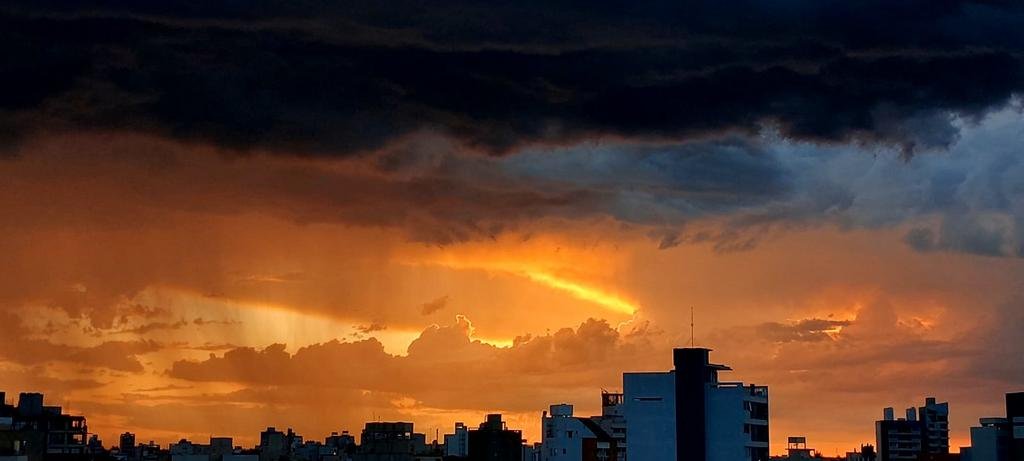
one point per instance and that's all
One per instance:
(866, 453)
(342, 443)
(126, 445)
(796, 449)
(569, 438)
(185, 450)
(386, 441)
(457, 444)
(241, 457)
(687, 414)
(221, 446)
(493, 441)
(273, 444)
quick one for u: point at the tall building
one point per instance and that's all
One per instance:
(126, 445)
(899, 439)
(613, 420)
(924, 433)
(494, 441)
(273, 444)
(1015, 418)
(935, 419)
(457, 444)
(687, 414)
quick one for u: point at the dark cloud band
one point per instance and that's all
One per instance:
(334, 79)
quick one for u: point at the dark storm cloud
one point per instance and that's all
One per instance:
(340, 77)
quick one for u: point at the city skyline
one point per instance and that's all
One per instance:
(218, 216)
(953, 444)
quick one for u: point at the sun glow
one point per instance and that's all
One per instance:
(583, 292)
(578, 271)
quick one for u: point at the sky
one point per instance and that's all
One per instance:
(221, 216)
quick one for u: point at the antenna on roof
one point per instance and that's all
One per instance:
(691, 326)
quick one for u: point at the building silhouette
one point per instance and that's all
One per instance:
(494, 441)
(1015, 418)
(935, 419)
(999, 438)
(386, 441)
(913, 438)
(35, 431)
(126, 446)
(457, 443)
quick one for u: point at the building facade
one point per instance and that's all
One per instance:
(457, 444)
(922, 434)
(688, 414)
(935, 419)
(570, 438)
(34, 430)
(990, 441)
(1015, 418)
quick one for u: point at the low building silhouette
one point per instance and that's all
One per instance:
(386, 441)
(35, 431)
(494, 441)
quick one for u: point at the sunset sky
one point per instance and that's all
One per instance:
(221, 216)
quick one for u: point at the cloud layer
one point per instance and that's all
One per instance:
(333, 79)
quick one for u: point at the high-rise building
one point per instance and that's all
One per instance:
(126, 445)
(687, 414)
(935, 419)
(899, 439)
(924, 433)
